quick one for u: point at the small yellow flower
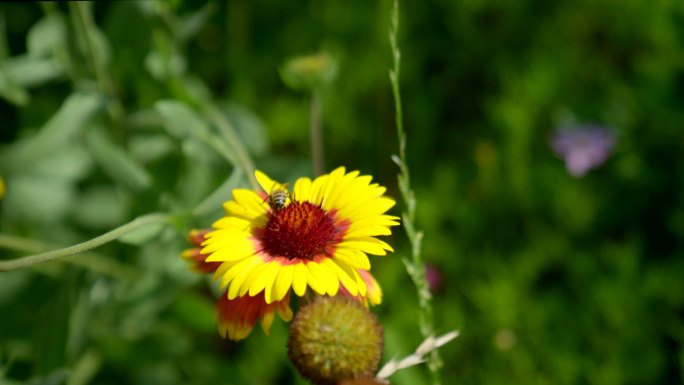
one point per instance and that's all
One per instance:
(2, 188)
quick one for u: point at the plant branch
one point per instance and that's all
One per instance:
(135, 224)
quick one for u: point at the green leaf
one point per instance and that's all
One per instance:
(148, 148)
(163, 67)
(72, 116)
(180, 120)
(116, 162)
(92, 42)
(249, 127)
(38, 198)
(85, 368)
(69, 161)
(101, 207)
(11, 92)
(47, 35)
(193, 24)
(30, 71)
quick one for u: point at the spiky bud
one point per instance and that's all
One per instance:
(334, 339)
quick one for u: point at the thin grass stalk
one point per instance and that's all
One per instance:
(414, 266)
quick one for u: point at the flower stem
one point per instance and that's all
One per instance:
(315, 116)
(414, 266)
(135, 224)
(90, 260)
(228, 132)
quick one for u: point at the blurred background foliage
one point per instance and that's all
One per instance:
(110, 111)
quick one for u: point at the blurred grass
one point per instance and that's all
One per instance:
(551, 279)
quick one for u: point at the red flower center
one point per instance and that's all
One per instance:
(301, 230)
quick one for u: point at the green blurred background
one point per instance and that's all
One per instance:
(551, 279)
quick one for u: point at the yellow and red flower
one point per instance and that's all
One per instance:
(320, 239)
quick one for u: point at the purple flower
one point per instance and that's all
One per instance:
(583, 148)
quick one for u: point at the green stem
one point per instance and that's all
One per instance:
(90, 260)
(135, 224)
(315, 115)
(415, 266)
(228, 132)
(87, 26)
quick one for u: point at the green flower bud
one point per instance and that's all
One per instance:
(334, 339)
(306, 73)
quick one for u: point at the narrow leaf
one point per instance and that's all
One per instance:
(117, 163)
(72, 116)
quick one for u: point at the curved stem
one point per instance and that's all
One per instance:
(135, 224)
(89, 259)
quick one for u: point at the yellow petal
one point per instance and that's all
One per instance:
(344, 276)
(353, 257)
(283, 282)
(374, 291)
(267, 321)
(339, 192)
(264, 181)
(355, 192)
(360, 283)
(367, 247)
(236, 284)
(368, 231)
(232, 223)
(228, 247)
(299, 274)
(317, 185)
(221, 270)
(284, 311)
(375, 220)
(333, 182)
(265, 280)
(314, 278)
(367, 208)
(251, 201)
(235, 209)
(329, 283)
(302, 190)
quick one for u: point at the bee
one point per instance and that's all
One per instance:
(278, 198)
